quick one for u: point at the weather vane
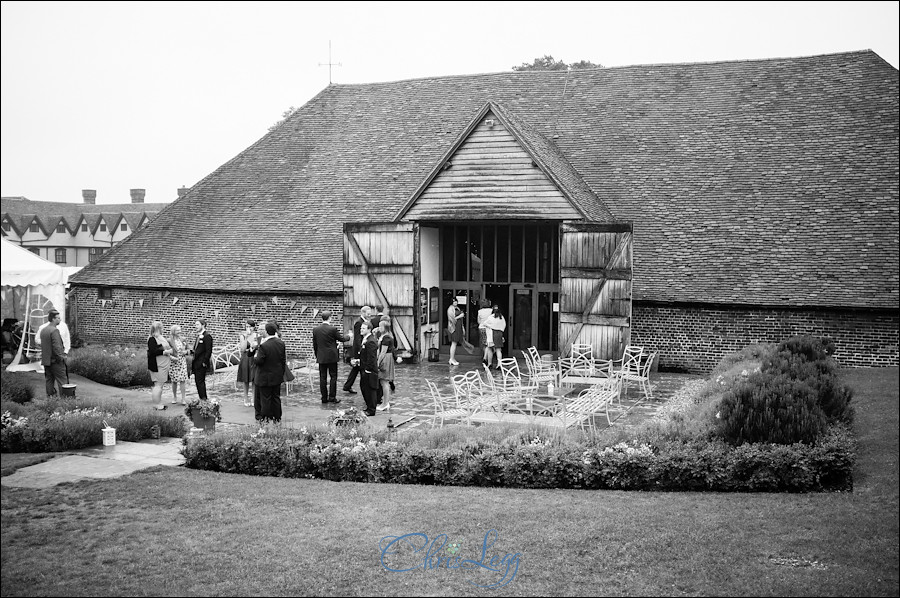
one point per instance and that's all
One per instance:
(329, 63)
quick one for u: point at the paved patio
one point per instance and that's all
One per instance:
(412, 399)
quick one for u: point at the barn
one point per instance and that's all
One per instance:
(691, 208)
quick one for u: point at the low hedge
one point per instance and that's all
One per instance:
(15, 387)
(690, 465)
(66, 424)
(119, 366)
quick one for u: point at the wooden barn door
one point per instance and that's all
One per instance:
(380, 268)
(595, 287)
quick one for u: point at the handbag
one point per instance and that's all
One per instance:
(288, 375)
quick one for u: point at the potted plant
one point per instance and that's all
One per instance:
(204, 413)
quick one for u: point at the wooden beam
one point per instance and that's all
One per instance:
(618, 321)
(609, 274)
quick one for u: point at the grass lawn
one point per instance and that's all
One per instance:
(171, 531)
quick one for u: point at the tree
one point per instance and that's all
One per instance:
(547, 63)
(284, 117)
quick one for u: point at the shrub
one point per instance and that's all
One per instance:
(61, 424)
(808, 359)
(117, 366)
(770, 408)
(535, 462)
(15, 387)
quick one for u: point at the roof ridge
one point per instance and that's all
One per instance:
(605, 68)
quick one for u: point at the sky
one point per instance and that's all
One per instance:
(113, 96)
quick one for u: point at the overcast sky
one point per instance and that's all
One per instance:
(156, 95)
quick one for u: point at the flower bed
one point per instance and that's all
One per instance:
(118, 365)
(525, 460)
(66, 423)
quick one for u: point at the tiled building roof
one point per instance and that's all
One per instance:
(770, 182)
(22, 211)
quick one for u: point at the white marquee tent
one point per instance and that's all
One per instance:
(31, 286)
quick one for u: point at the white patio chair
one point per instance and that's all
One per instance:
(539, 370)
(445, 407)
(511, 377)
(636, 368)
(578, 365)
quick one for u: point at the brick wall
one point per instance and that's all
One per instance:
(694, 339)
(124, 320)
(688, 338)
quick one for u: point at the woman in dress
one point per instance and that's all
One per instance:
(247, 343)
(158, 360)
(178, 371)
(495, 325)
(385, 363)
(483, 314)
(455, 329)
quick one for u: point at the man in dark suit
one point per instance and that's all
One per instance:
(271, 362)
(53, 354)
(202, 356)
(368, 366)
(325, 340)
(364, 315)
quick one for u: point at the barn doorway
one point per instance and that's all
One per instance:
(512, 265)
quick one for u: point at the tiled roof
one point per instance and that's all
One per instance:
(770, 182)
(21, 211)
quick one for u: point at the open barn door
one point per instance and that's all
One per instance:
(595, 287)
(380, 269)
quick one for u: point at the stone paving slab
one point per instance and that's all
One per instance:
(101, 462)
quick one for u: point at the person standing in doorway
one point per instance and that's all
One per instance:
(483, 314)
(53, 356)
(456, 329)
(495, 325)
(325, 339)
(202, 356)
(271, 362)
(364, 315)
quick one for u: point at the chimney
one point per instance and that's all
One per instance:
(89, 196)
(182, 191)
(137, 195)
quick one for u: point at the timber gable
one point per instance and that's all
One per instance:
(491, 173)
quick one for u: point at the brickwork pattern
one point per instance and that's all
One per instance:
(123, 320)
(694, 339)
(688, 339)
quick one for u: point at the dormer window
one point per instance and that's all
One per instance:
(102, 227)
(33, 227)
(60, 228)
(84, 227)
(6, 226)
(124, 226)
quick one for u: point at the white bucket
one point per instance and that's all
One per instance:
(109, 435)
